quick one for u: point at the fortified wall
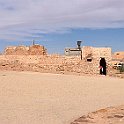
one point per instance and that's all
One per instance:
(35, 58)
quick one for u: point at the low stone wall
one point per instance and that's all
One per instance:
(54, 64)
(48, 63)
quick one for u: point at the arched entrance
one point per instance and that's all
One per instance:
(102, 66)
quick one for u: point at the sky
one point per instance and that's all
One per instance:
(58, 24)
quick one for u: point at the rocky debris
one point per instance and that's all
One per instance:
(111, 115)
(47, 63)
(52, 64)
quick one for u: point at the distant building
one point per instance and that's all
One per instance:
(118, 55)
(72, 52)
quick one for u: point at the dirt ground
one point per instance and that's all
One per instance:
(37, 98)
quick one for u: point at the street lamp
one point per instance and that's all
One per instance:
(79, 47)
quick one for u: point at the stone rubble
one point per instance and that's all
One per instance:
(35, 58)
(111, 115)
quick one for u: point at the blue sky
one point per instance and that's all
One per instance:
(57, 24)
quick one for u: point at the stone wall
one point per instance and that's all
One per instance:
(23, 50)
(34, 58)
(56, 63)
(51, 63)
(9, 50)
(37, 50)
(97, 53)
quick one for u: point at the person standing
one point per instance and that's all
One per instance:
(102, 66)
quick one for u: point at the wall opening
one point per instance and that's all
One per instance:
(89, 60)
(89, 57)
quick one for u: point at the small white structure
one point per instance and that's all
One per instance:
(72, 52)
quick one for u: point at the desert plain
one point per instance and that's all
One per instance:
(43, 98)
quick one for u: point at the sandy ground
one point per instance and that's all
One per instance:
(36, 98)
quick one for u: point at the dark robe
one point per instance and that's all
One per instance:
(103, 65)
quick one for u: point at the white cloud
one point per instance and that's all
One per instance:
(57, 15)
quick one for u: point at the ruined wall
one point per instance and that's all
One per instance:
(34, 58)
(102, 52)
(23, 50)
(51, 63)
(37, 50)
(9, 50)
(97, 53)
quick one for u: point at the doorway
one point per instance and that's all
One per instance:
(102, 66)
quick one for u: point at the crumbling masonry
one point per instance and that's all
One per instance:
(35, 58)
